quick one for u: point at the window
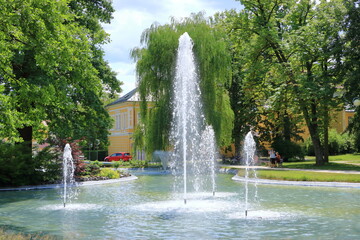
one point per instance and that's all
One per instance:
(117, 122)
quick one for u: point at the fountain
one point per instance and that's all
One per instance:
(148, 208)
(249, 156)
(68, 174)
(188, 125)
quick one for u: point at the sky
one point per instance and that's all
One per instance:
(132, 17)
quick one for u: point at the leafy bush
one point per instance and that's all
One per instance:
(138, 163)
(19, 169)
(288, 150)
(87, 169)
(338, 144)
(109, 173)
(116, 165)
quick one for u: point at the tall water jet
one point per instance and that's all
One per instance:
(208, 153)
(68, 173)
(188, 122)
(249, 156)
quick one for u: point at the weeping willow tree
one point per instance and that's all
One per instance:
(155, 68)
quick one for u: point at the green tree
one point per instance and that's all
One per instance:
(352, 63)
(241, 94)
(256, 89)
(52, 69)
(294, 49)
(155, 71)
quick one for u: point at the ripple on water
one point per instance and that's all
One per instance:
(263, 215)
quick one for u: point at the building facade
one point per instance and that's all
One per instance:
(126, 114)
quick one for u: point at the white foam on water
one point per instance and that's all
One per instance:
(70, 207)
(202, 195)
(192, 206)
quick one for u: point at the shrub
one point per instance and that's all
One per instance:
(87, 169)
(19, 169)
(138, 163)
(338, 144)
(288, 150)
(116, 165)
(109, 173)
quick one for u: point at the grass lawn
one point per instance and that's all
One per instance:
(305, 176)
(339, 162)
(350, 158)
(328, 166)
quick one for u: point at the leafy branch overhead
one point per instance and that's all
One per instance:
(52, 68)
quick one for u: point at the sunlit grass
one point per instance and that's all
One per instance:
(305, 176)
(351, 158)
(328, 166)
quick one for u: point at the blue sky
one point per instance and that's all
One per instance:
(132, 17)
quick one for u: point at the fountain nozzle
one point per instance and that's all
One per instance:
(184, 200)
(246, 213)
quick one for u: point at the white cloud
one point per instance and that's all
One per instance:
(132, 17)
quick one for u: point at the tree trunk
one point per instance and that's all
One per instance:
(238, 150)
(319, 155)
(287, 127)
(326, 136)
(26, 135)
(311, 123)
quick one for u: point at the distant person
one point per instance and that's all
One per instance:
(272, 157)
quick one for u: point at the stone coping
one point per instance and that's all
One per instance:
(298, 183)
(77, 184)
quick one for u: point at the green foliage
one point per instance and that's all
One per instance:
(354, 129)
(155, 72)
(288, 150)
(338, 144)
(19, 169)
(139, 163)
(116, 165)
(87, 169)
(290, 53)
(109, 173)
(52, 69)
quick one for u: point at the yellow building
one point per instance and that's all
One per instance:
(339, 120)
(126, 114)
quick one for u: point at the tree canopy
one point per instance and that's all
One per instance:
(289, 53)
(52, 69)
(155, 71)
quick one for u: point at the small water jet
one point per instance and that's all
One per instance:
(68, 173)
(249, 156)
(191, 164)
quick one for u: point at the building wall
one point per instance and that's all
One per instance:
(125, 117)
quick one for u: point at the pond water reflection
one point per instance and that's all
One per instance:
(147, 208)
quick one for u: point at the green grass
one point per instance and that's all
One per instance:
(329, 166)
(305, 176)
(350, 158)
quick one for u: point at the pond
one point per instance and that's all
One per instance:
(148, 208)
